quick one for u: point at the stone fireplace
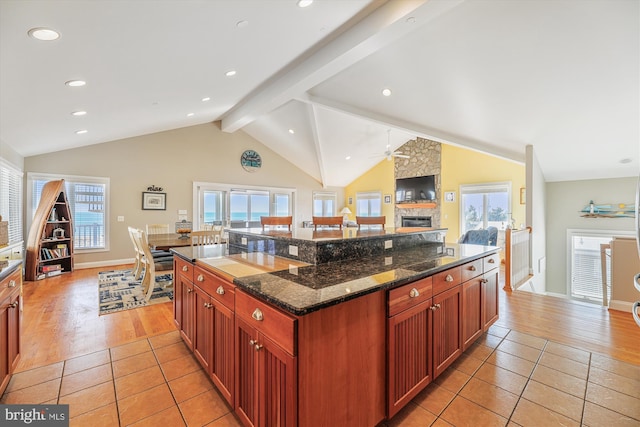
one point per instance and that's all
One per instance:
(424, 159)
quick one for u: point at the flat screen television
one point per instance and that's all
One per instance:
(418, 189)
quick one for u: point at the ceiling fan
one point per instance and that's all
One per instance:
(391, 154)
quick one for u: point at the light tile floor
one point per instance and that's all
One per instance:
(506, 378)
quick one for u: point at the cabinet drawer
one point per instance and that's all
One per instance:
(446, 280)
(11, 283)
(491, 262)
(270, 321)
(471, 270)
(410, 295)
(183, 267)
(219, 289)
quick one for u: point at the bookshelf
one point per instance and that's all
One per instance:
(50, 241)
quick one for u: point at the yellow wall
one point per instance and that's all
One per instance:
(379, 178)
(462, 166)
(459, 166)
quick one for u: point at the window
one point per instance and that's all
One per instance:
(324, 203)
(221, 204)
(485, 205)
(87, 198)
(11, 200)
(369, 204)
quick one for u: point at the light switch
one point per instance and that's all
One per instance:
(388, 244)
(120, 218)
(182, 211)
(293, 250)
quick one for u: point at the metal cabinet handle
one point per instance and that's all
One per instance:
(433, 308)
(208, 305)
(12, 283)
(484, 281)
(257, 314)
(472, 268)
(491, 261)
(189, 290)
(414, 293)
(200, 278)
(258, 347)
(13, 304)
(185, 268)
(449, 278)
(253, 342)
(220, 290)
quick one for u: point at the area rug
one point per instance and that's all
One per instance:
(118, 290)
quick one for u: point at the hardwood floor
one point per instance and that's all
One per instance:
(61, 321)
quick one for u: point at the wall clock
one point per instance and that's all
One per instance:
(250, 160)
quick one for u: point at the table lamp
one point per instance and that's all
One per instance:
(345, 214)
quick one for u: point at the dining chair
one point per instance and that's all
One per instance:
(218, 233)
(153, 267)
(202, 237)
(158, 229)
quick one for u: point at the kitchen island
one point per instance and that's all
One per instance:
(346, 342)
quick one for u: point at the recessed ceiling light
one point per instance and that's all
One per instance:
(44, 34)
(348, 158)
(75, 83)
(386, 92)
(79, 113)
(80, 132)
(625, 161)
(205, 99)
(230, 73)
(304, 3)
(291, 131)
(242, 24)
(191, 114)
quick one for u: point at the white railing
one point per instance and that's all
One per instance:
(517, 257)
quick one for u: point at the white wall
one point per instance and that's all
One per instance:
(172, 160)
(536, 219)
(565, 200)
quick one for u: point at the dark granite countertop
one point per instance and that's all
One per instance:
(300, 288)
(6, 271)
(333, 234)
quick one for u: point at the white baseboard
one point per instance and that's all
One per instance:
(105, 263)
(620, 305)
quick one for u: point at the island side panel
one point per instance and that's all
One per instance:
(341, 364)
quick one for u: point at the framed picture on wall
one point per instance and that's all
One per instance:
(154, 201)
(387, 199)
(450, 196)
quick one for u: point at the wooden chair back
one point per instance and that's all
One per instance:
(327, 220)
(202, 237)
(276, 221)
(153, 267)
(218, 234)
(158, 229)
(371, 220)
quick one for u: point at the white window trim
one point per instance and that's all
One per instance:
(34, 176)
(368, 195)
(19, 174)
(325, 195)
(227, 188)
(487, 187)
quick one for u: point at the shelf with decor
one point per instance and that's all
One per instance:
(50, 241)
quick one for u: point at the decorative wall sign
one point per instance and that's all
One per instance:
(154, 201)
(154, 188)
(619, 210)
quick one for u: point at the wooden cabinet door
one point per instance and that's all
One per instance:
(202, 340)
(14, 321)
(246, 373)
(490, 298)
(472, 313)
(4, 344)
(177, 300)
(187, 324)
(409, 355)
(447, 329)
(266, 380)
(223, 363)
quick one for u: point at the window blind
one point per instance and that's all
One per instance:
(11, 200)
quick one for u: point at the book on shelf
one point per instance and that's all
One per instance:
(52, 267)
(53, 273)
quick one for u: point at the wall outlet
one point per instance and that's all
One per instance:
(243, 240)
(182, 211)
(388, 244)
(293, 250)
(120, 218)
(388, 260)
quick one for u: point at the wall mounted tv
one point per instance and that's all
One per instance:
(418, 189)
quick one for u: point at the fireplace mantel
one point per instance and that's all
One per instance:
(416, 205)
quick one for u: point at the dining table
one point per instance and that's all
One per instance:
(166, 241)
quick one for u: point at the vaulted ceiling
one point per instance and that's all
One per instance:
(490, 75)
